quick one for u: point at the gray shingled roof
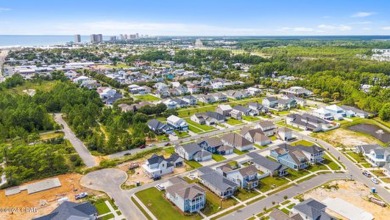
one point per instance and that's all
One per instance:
(71, 210)
(236, 140)
(191, 148)
(218, 181)
(264, 162)
(313, 209)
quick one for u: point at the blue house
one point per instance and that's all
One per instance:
(291, 157)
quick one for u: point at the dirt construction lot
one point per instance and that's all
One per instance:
(353, 192)
(69, 182)
(345, 137)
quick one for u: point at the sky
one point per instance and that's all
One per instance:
(196, 17)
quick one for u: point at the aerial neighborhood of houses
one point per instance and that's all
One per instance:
(203, 144)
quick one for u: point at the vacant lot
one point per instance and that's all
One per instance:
(147, 97)
(70, 182)
(353, 192)
(346, 138)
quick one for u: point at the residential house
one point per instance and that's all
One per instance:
(217, 183)
(234, 94)
(159, 127)
(324, 114)
(208, 99)
(257, 107)
(311, 209)
(254, 91)
(314, 153)
(208, 118)
(376, 155)
(187, 197)
(215, 145)
(193, 89)
(193, 151)
(298, 91)
(191, 100)
(236, 114)
(284, 133)
(171, 104)
(245, 177)
(89, 84)
(177, 123)
(291, 157)
(219, 97)
(157, 166)
(180, 103)
(267, 127)
(308, 122)
(352, 111)
(266, 165)
(237, 141)
(255, 136)
(299, 101)
(284, 104)
(72, 210)
(246, 111)
(224, 110)
(270, 102)
(336, 111)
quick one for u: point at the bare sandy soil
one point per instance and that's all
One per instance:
(69, 183)
(353, 192)
(345, 137)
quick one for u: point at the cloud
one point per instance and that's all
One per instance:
(362, 22)
(334, 27)
(362, 14)
(386, 28)
(4, 9)
(296, 29)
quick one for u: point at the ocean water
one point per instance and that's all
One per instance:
(37, 40)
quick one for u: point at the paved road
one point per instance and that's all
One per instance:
(352, 168)
(78, 145)
(109, 181)
(188, 139)
(294, 190)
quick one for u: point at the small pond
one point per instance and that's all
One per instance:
(372, 130)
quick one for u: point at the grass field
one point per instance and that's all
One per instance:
(147, 97)
(357, 157)
(283, 124)
(193, 164)
(102, 208)
(293, 174)
(238, 152)
(328, 161)
(213, 203)
(51, 135)
(243, 194)
(304, 143)
(182, 134)
(45, 86)
(218, 157)
(250, 118)
(159, 206)
(202, 127)
(195, 129)
(269, 183)
(232, 121)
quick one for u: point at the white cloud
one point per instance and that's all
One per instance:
(334, 27)
(296, 29)
(4, 9)
(362, 14)
(386, 28)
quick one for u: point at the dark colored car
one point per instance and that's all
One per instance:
(156, 178)
(142, 146)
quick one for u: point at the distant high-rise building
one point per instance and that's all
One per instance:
(137, 35)
(113, 38)
(96, 38)
(77, 38)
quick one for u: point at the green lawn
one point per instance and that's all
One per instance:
(193, 164)
(52, 135)
(102, 208)
(291, 205)
(181, 134)
(203, 127)
(283, 124)
(317, 167)
(293, 174)
(213, 203)
(328, 161)
(107, 217)
(357, 157)
(243, 194)
(162, 137)
(160, 207)
(169, 150)
(250, 118)
(195, 129)
(147, 97)
(187, 112)
(269, 183)
(232, 121)
(141, 209)
(259, 146)
(218, 157)
(303, 143)
(238, 152)
(44, 86)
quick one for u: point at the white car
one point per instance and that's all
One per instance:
(374, 180)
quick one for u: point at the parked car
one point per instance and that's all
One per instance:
(81, 195)
(167, 144)
(142, 146)
(366, 173)
(127, 154)
(156, 178)
(375, 180)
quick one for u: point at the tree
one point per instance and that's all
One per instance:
(384, 113)
(335, 96)
(325, 95)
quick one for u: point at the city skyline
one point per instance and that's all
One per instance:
(173, 17)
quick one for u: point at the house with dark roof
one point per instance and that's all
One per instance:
(187, 197)
(193, 151)
(245, 177)
(215, 145)
(237, 141)
(308, 122)
(224, 110)
(270, 102)
(284, 104)
(376, 155)
(352, 111)
(217, 183)
(314, 153)
(258, 107)
(157, 166)
(311, 209)
(158, 127)
(72, 210)
(255, 136)
(208, 118)
(191, 100)
(246, 111)
(266, 165)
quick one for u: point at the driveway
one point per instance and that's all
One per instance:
(78, 145)
(294, 190)
(110, 181)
